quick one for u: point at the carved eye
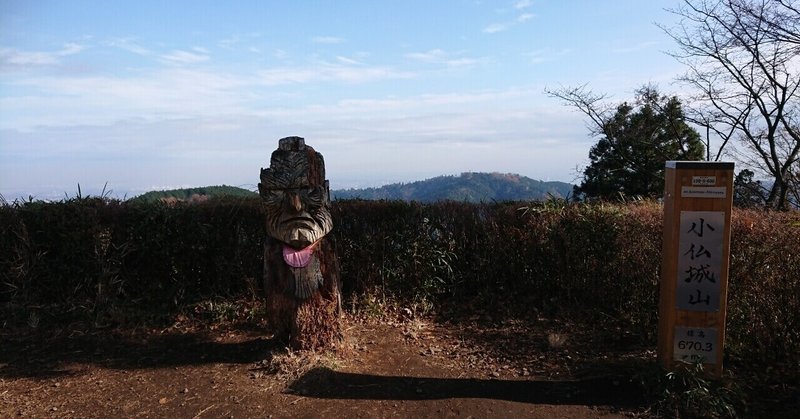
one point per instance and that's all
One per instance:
(315, 194)
(274, 196)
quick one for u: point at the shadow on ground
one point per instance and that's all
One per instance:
(41, 357)
(325, 383)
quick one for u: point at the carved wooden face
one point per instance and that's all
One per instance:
(296, 200)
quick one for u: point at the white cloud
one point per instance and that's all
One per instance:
(163, 93)
(327, 40)
(496, 27)
(525, 17)
(128, 44)
(70, 49)
(544, 55)
(245, 41)
(328, 73)
(483, 101)
(499, 130)
(10, 57)
(346, 60)
(434, 55)
(438, 56)
(520, 19)
(167, 93)
(523, 4)
(228, 43)
(625, 49)
(185, 57)
(461, 62)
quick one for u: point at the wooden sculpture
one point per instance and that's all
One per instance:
(301, 272)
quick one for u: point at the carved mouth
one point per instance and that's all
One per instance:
(298, 258)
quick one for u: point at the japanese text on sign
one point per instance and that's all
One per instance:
(694, 344)
(700, 260)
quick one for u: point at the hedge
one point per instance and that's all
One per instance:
(96, 254)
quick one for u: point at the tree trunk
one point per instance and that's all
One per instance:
(305, 323)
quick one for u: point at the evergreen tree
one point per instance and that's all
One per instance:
(748, 193)
(636, 141)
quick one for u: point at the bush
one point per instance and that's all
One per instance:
(93, 255)
(763, 327)
(688, 392)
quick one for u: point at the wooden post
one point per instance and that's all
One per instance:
(694, 272)
(301, 271)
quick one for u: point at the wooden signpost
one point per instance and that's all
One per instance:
(694, 271)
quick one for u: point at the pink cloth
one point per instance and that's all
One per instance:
(297, 258)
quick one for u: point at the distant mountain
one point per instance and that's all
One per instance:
(194, 194)
(470, 187)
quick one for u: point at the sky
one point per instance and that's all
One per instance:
(150, 95)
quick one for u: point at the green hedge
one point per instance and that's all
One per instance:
(94, 254)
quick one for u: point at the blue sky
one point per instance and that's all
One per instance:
(149, 95)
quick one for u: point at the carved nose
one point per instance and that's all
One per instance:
(294, 201)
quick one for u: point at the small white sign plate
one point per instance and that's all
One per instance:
(703, 192)
(695, 344)
(704, 180)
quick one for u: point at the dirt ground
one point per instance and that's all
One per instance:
(474, 368)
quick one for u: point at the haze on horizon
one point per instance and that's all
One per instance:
(151, 95)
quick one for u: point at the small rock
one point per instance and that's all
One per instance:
(185, 390)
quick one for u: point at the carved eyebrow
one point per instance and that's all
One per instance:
(296, 188)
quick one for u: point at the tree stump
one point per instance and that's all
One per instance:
(301, 271)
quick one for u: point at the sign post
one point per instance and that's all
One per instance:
(694, 271)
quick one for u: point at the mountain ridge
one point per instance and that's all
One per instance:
(194, 194)
(469, 187)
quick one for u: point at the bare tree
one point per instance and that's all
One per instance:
(743, 59)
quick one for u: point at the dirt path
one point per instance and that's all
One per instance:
(385, 370)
